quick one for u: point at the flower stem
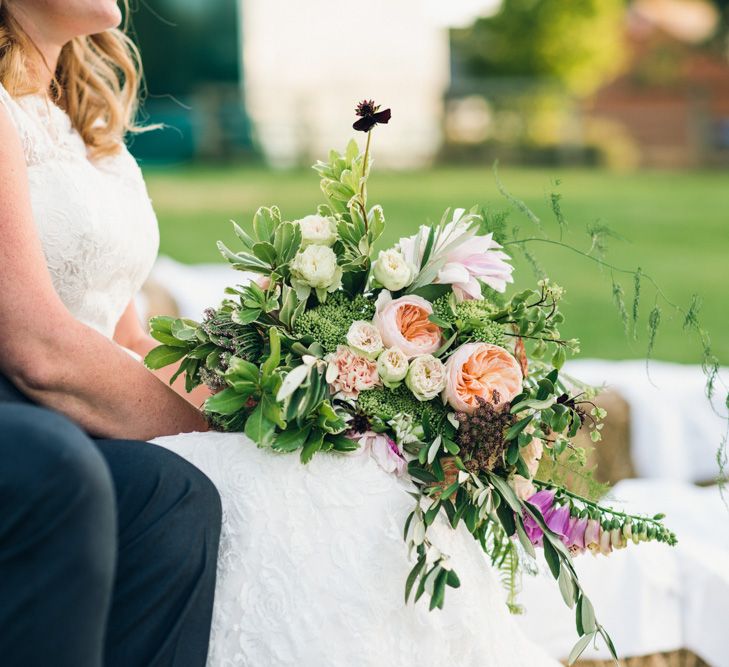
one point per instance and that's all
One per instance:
(364, 178)
(591, 503)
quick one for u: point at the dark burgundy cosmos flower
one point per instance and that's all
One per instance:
(370, 115)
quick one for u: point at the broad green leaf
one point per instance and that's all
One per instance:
(161, 323)
(342, 443)
(273, 411)
(183, 329)
(241, 369)
(163, 355)
(242, 234)
(202, 351)
(245, 316)
(291, 440)
(265, 222)
(312, 446)
(259, 428)
(168, 339)
(226, 402)
(265, 252)
(274, 357)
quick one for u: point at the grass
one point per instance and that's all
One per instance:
(675, 226)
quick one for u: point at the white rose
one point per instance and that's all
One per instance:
(392, 271)
(426, 377)
(392, 365)
(316, 266)
(364, 339)
(317, 230)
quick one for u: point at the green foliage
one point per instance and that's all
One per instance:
(576, 42)
(567, 469)
(344, 183)
(471, 319)
(385, 404)
(329, 322)
(270, 249)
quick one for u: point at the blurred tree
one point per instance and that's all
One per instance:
(185, 42)
(578, 43)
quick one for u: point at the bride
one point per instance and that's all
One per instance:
(312, 561)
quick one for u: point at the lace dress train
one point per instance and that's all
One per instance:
(313, 566)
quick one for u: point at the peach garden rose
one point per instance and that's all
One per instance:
(481, 370)
(403, 323)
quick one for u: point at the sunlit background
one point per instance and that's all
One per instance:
(621, 108)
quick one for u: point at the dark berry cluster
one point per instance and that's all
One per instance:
(481, 434)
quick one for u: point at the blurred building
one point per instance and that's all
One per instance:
(307, 64)
(672, 101)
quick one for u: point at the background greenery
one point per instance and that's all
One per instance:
(674, 226)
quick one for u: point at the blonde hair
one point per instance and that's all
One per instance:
(97, 81)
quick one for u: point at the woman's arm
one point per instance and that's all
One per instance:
(130, 334)
(53, 358)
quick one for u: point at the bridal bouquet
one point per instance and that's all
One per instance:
(414, 355)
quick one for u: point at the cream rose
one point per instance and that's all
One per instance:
(316, 266)
(392, 271)
(392, 365)
(404, 323)
(481, 371)
(317, 230)
(364, 339)
(426, 377)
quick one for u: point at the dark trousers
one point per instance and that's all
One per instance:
(108, 548)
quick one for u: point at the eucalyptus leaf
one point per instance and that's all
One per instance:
(579, 648)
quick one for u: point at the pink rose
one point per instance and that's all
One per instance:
(404, 323)
(481, 371)
(349, 373)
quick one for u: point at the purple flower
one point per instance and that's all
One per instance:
(575, 538)
(556, 518)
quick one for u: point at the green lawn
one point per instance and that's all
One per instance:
(675, 225)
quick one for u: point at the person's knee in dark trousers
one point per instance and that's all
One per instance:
(169, 516)
(57, 541)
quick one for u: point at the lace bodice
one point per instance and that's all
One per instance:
(94, 217)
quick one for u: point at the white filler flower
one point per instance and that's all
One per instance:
(426, 377)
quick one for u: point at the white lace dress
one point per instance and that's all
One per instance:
(312, 563)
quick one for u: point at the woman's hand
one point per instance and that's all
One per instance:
(130, 334)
